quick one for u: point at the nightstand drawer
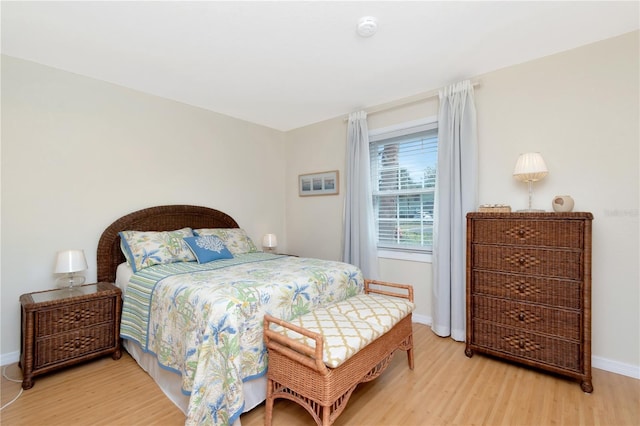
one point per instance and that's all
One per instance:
(66, 346)
(525, 288)
(530, 261)
(73, 316)
(534, 318)
(521, 344)
(543, 233)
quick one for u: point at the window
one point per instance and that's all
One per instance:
(403, 177)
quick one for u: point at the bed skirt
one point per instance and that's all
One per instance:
(255, 391)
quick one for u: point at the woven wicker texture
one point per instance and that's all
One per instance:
(557, 354)
(535, 318)
(68, 328)
(160, 218)
(296, 372)
(529, 290)
(542, 290)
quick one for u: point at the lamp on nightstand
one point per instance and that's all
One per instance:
(530, 168)
(69, 263)
(269, 243)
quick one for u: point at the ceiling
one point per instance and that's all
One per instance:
(289, 64)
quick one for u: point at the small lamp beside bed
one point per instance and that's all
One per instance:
(269, 243)
(70, 263)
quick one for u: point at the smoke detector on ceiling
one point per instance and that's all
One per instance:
(367, 26)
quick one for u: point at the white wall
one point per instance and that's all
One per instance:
(580, 110)
(78, 153)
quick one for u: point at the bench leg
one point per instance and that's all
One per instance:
(269, 403)
(410, 357)
(407, 345)
(326, 416)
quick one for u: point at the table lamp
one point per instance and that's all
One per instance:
(530, 168)
(269, 243)
(69, 263)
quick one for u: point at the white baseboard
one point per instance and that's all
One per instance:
(628, 370)
(10, 358)
(422, 319)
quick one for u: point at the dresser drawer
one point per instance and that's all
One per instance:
(526, 288)
(73, 344)
(530, 261)
(519, 343)
(544, 233)
(534, 318)
(73, 316)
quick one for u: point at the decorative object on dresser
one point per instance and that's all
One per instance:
(64, 327)
(529, 290)
(69, 263)
(530, 168)
(562, 203)
(494, 208)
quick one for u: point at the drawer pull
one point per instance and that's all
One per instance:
(521, 233)
(521, 316)
(77, 344)
(78, 316)
(521, 344)
(522, 261)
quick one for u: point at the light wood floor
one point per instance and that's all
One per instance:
(446, 388)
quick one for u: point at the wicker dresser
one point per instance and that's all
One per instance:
(529, 290)
(64, 327)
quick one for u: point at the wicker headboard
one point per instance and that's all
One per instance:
(160, 218)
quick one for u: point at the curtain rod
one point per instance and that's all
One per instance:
(405, 101)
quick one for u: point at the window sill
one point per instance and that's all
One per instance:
(405, 255)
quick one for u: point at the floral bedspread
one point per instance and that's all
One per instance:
(205, 321)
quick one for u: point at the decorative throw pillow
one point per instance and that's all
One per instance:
(208, 248)
(236, 239)
(147, 248)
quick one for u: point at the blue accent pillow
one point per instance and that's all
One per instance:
(208, 248)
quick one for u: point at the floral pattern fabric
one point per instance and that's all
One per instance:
(147, 248)
(236, 239)
(207, 323)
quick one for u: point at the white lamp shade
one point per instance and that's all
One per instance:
(70, 261)
(269, 240)
(530, 167)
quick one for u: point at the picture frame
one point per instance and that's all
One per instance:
(321, 183)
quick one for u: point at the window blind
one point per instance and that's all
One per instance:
(403, 172)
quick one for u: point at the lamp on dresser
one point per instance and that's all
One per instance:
(530, 168)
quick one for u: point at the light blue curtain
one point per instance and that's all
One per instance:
(456, 195)
(359, 228)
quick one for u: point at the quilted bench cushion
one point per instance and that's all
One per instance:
(343, 335)
(378, 309)
(350, 325)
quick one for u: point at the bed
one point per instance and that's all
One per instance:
(195, 324)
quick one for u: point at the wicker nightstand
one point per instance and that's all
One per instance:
(64, 327)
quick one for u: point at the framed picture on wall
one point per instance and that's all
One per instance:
(323, 183)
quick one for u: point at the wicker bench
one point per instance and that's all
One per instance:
(318, 359)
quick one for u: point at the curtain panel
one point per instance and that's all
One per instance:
(359, 228)
(456, 195)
